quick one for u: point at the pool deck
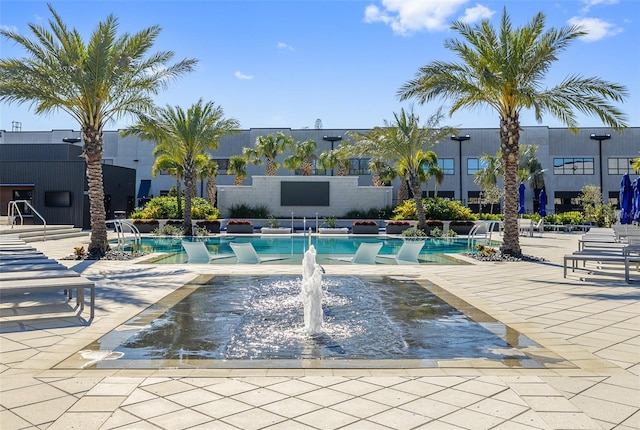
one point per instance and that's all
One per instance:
(592, 320)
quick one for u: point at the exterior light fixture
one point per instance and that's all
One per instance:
(333, 140)
(600, 138)
(71, 139)
(460, 139)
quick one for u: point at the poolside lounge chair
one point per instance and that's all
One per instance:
(197, 253)
(365, 254)
(408, 252)
(246, 253)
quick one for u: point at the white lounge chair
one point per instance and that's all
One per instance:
(408, 252)
(246, 253)
(197, 253)
(365, 254)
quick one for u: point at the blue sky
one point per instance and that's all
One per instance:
(290, 63)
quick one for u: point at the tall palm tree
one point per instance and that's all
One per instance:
(96, 81)
(505, 70)
(405, 144)
(268, 147)
(238, 168)
(302, 157)
(192, 133)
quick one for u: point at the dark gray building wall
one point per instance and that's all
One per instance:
(50, 176)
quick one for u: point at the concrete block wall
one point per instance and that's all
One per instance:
(344, 195)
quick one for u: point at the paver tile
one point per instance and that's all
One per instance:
(181, 419)
(291, 407)
(468, 419)
(325, 419)
(361, 408)
(152, 408)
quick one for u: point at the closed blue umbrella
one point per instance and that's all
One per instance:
(626, 200)
(636, 199)
(543, 203)
(521, 189)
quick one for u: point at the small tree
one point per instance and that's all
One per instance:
(302, 157)
(268, 147)
(238, 168)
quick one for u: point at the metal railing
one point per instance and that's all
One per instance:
(119, 226)
(13, 211)
(481, 232)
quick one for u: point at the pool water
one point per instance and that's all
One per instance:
(240, 321)
(435, 250)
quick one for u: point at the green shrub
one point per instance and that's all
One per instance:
(168, 230)
(372, 213)
(243, 210)
(434, 208)
(491, 217)
(436, 232)
(166, 207)
(572, 217)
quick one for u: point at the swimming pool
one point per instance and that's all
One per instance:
(292, 247)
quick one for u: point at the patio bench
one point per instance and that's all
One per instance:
(592, 256)
(35, 283)
(627, 268)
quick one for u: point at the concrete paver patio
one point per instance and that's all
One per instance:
(592, 320)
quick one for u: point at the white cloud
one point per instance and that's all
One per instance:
(588, 4)
(595, 28)
(476, 13)
(242, 76)
(408, 16)
(286, 46)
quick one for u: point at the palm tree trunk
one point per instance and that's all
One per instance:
(415, 189)
(179, 195)
(509, 140)
(189, 183)
(211, 190)
(270, 168)
(93, 150)
(403, 191)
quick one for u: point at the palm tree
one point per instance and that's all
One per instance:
(191, 133)
(404, 143)
(167, 162)
(505, 70)
(635, 164)
(381, 172)
(238, 168)
(210, 173)
(338, 157)
(95, 82)
(302, 157)
(268, 147)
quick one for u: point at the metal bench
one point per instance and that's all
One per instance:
(35, 283)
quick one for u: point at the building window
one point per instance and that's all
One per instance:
(573, 166)
(446, 164)
(565, 201)
(620, 166)
(223, 165)
(359, 166)
(474, 165)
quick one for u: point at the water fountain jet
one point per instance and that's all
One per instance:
(311, 292)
